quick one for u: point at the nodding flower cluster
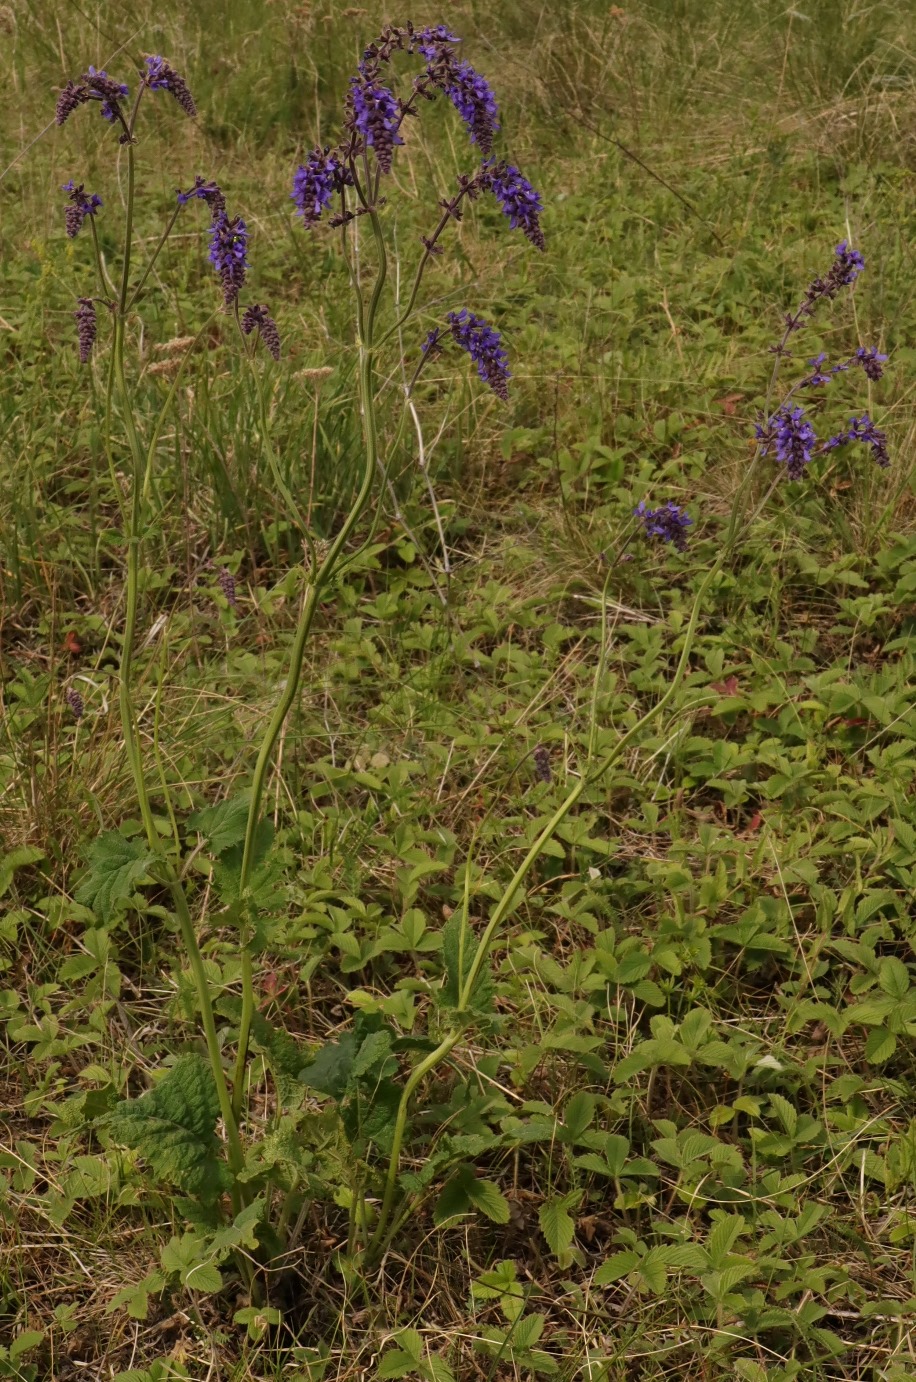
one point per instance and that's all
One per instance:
(788, 433)
(161, 76)
(669, 523)
(482, 342)
(93, 85)
(374, 119)
(80, 205)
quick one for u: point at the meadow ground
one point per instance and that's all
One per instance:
(681, 1141)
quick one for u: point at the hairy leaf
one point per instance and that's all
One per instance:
(116, 865)
(173, 1127)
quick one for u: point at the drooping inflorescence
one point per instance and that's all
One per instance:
(257, 318)
(788, 432)
(86, 328)
(209, 192)
(484, 345)
(93, 85)
(375, 114)
(161, 76)
(228, 254)
(80, 204)
(518, 199)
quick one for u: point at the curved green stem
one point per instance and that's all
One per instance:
(318, 580)
(506, 902)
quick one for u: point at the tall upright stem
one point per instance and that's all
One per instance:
(125, 703)
(320, 578)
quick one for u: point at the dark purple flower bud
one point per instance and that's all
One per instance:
(542, 763)
(669, 523)
(432, 341)
(228, 243)
(105, 89)
(80, 206)
(69, 97)
(258, 318)
(482, 342)
(75, 702)
(870, 361)
(793, 437)
(208, 192)
(92, 86)
(161, 76)
(375, 113)
(519, 201)
(316, 181)
(226, 582)
(86, 327)
(471, 96)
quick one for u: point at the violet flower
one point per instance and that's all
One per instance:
(862, 429)
(429, 42)
(794, 439)
(228, 244)
(519, 201)
(80, 206)
(870, 360)
(471, 96)
(161, 76)
(93, 85)
(75, 702)
(209, 192)
(316, 181)
(669, 523)
(376, 115)
(483, 344)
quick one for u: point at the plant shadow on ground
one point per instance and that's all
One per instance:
(689, 1147)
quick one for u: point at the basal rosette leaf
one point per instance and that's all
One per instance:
(173, 1128)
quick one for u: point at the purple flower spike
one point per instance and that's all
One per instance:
(208, 192)
(228, 244)
(376, 115)
(847, 266)
(75, 702)
(794, 438)
(80, 206)
(669, 523)
(86, 327)
(258, 318)
(870, 361)
(316, 181)
(161, 76)
(519, 201)
(471, 96)
(92, 86)
(483, 344)
(69, 97)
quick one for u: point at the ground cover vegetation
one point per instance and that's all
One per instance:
(457, 844)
